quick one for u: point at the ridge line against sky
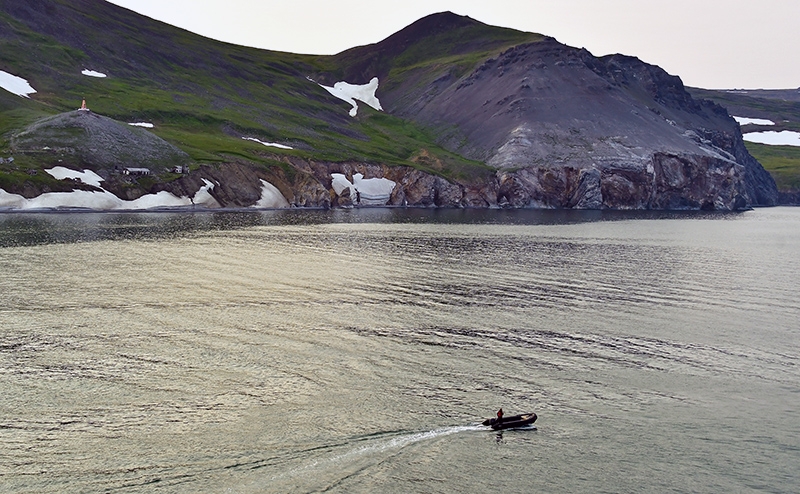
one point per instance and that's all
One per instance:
(714, 44)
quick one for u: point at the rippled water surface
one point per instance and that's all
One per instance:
(358, 351)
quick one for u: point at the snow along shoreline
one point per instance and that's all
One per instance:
(104, 201)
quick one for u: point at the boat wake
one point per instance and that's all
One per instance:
(406, 439)
(377, 444)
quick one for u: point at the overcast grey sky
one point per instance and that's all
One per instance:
(709, 43)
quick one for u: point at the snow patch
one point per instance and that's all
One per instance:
(146, 125)
(352, 92)
(772, 138)
(16, 85)
(754, 121)
(105, 200)
(86, 176)
(271, 197)
(270, 144)
(92, 73)
(203, 196)
(11, 201)
(52, 200)
(371, 191)
(339, 182)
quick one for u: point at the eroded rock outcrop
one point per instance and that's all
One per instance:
(668, 181)
(239, 185)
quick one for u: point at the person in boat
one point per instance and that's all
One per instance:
(499, 417)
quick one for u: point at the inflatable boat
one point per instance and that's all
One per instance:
(511, 422)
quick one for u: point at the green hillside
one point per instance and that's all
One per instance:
(202, 95)
(782, 162)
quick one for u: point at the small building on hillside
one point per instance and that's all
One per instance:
(136, 171)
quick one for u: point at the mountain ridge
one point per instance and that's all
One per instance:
(438, 78)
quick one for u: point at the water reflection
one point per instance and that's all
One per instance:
(24, 229)
(236, 358)
(51, 228)
(504, 216)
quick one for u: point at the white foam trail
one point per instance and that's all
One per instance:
(381, 446)
(402, 441)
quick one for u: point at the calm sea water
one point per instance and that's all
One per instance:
(357, 351)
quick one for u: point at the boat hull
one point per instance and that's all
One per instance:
(511, 422)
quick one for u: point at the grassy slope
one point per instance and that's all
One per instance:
(785, 113)
(460, 47)
(205, 108)
(782, 162)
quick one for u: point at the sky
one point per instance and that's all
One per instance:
(714, 44)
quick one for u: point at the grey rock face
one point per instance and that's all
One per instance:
(98, 142)
(588, 194)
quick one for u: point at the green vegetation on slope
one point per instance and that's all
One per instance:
(203, 96)
(420, 53)
(456, 48)
(782, 162)
(771, 105)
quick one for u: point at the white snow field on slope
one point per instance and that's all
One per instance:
(269, 144)
(352, 92)
(86, 176)
(15, 85)
(93, 73)
(146, 125)
(754, 121)
(772, 138)
(373, 191)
